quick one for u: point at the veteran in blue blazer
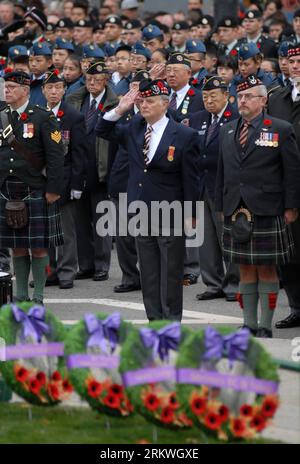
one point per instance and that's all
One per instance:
(162, 167)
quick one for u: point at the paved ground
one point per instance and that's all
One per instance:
(70, 305)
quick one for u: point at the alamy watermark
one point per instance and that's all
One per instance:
(161, 218)
(295, 349)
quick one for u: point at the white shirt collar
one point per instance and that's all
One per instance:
(255, 38)
(98, 99)
(21, 109)
(161, 123)
(231, 46)
(182, 92)
(56, 108)
(219, 115)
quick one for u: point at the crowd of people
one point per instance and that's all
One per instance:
(176, 107)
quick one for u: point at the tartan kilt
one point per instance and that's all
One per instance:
(44, 225)
(271, 242)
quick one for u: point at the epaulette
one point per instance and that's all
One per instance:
(42, 108)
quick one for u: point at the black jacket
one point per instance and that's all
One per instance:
(266, 178)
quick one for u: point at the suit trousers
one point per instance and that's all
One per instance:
(161, 261)
(67, 261)
(94, 251)
(211, 259)
(126, 251)
(289, 273)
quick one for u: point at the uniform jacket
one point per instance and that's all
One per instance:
(98, 148)
(46, 144)
(266, 178)
(162, 179)
(72, 126)
(266, 46)
(191, 103)
(209, 152)
(36, 94)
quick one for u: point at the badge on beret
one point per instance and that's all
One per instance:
(216, 83)
(194, 43)
(246, 48)
(227, 22)
(252, 80)
(81, 22)
(61, 23)
(251, 15)
(145, 75)
(16, 51)
(112, 20)
(92, 47)
(177, 26)
(150, 29)
(129, 26)
(155, 90)
(40, 45)
(56, 136)
(204, 21)
(179, 58)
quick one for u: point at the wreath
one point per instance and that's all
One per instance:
(34, 365)
(227, 383)
(148, 366)
(93, 349)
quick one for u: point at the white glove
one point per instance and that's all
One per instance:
(76, 194)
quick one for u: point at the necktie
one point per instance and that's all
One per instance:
(212, 129)
(14, 117)
(244, 134)
(147, 143)
(173, 101)
(91, 111)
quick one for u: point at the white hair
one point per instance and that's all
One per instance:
(262, 90)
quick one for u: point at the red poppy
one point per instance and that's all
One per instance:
(21, 374)
(2, 61)
(112, 401)
(194, 81)
(269, 406)
(100, 107)
(67, 387)
(258, 45)
(116, 390)
(223, 412)
(246, 410)
(238, 427)
(173, 403)
(213, 421)
(53, 391)
(42, 39)
(56, 72)
(233, 52)
(258, 423)
(191, 92)
(34, 386)
(23, 116)
(41, 377)
(8, 70)
(198, 405)
(267, 122)
(167, 415)
(227, 114)
(94, 389)
(60, 114)
(56, 376)
(151, 402)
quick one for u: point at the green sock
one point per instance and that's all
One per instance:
(268, 292)
(248, 301)
(22, 270)
(39, 276)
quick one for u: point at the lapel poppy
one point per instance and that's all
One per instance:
(233, 52)
(100, 107)
(267, 122)
(60, 114)
(227, 114)
(23, 116)
(191, 92)
(194, 82)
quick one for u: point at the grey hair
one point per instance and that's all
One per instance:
(262, 90)
(164, 97)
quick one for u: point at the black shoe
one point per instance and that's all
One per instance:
(85, 274)
(64, 284)
(101, 275)
(122, 288)
(264, 333)
(190, 279)
(231, 297)
(50, 282)
(293, 320)
(209, 295)
(253, 331)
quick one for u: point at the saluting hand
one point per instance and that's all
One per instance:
(158, 71)
(127, 101)
(290, 215)
(52, 197)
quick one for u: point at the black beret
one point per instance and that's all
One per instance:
(179, 58)
(253, 14)
(228, 21)
(66, 23)
(180, 26)
(113, 19)
(153, 88)
(248, 83)
(51, 77)
(214, 82)
(97, 67)
(20, 77)
(140, 76)
(134, 24)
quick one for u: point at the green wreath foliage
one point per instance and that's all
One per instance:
(108, 397)
(200, 401)
(157, 402)
(32, 383)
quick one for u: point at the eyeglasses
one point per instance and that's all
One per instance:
(11, 87)
(248, 96)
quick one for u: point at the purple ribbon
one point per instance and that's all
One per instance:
(33, 322)
(100, 331)
(163, 340)
(233, 346)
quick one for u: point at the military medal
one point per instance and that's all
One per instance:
(30, 130)
(185, 105)
(25, 131)
(171, 152)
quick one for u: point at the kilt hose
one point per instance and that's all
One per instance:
(44, 226)
(271, 242)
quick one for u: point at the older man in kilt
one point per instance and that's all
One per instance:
(31, 172)
(257, 190)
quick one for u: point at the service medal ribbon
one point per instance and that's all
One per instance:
(171, 152)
